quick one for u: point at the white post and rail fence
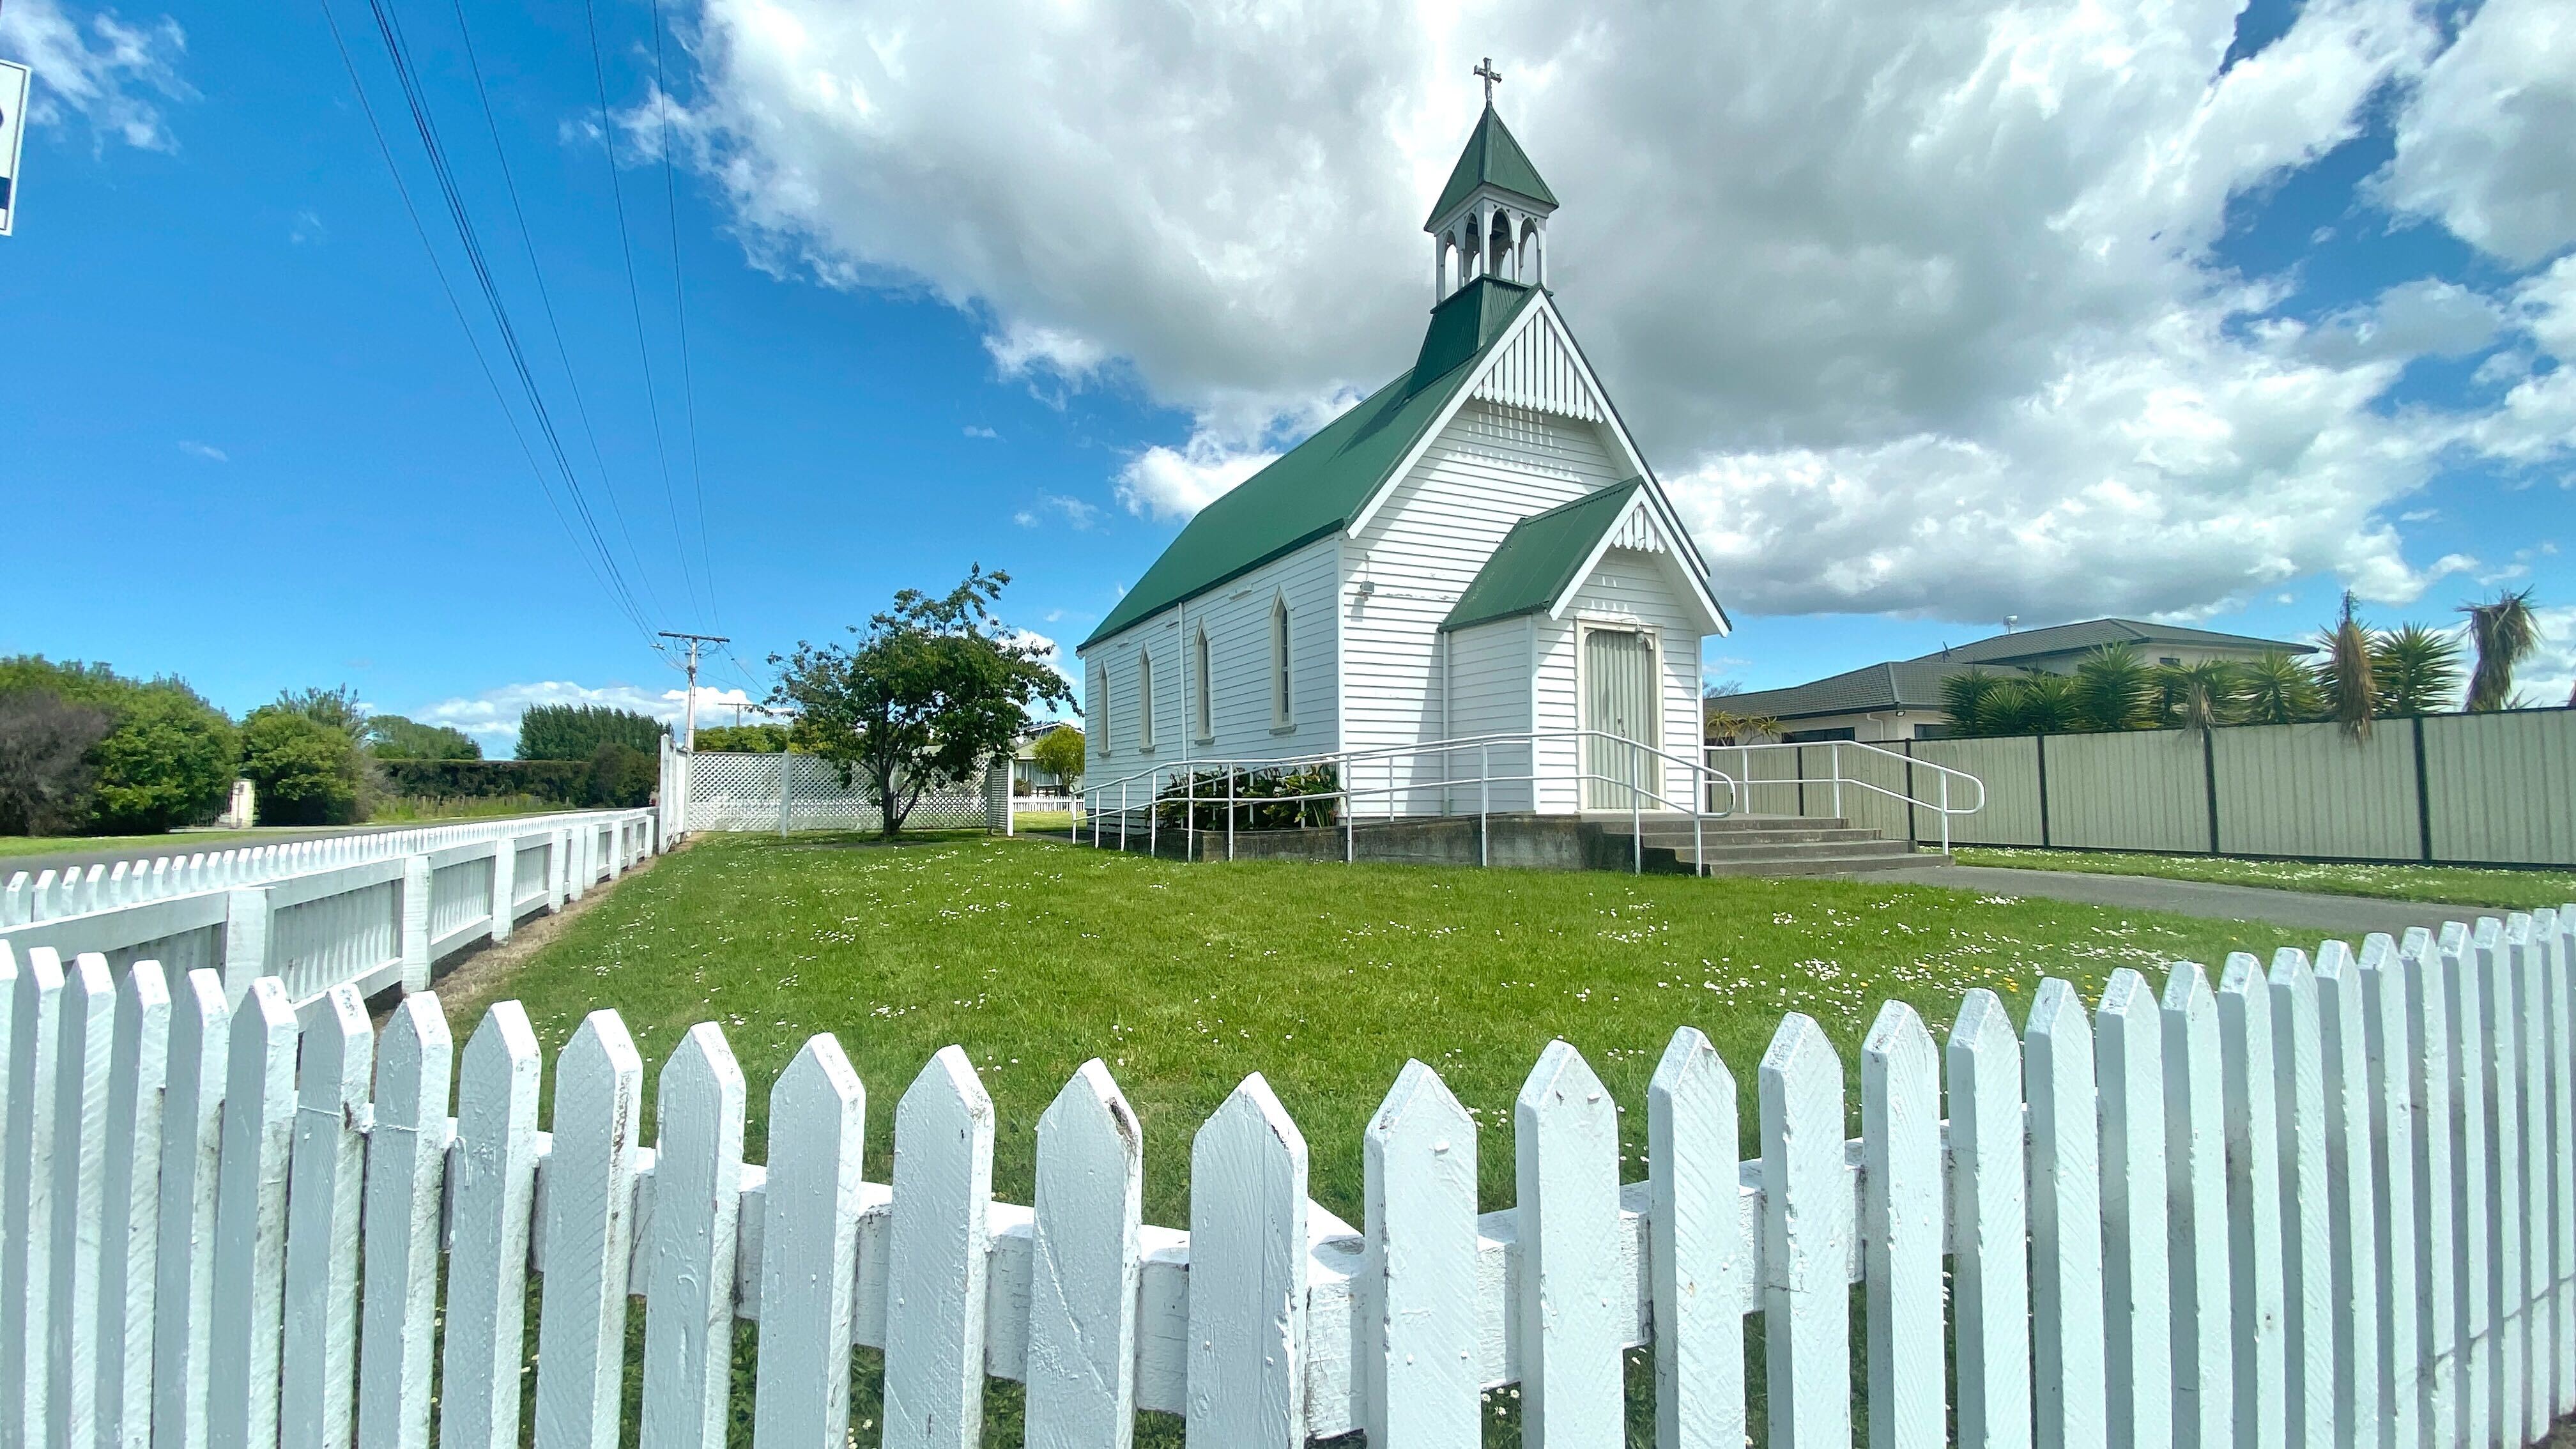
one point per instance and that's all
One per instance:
(2324, 1201)
(370, 911)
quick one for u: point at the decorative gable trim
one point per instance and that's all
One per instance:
(1613, 431)
(1647, 528)
(1536, 369)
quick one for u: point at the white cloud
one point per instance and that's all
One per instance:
(207, 451)
(2548, 676)
(2487, 144)
(981, 432)
(493, 715)
(1916, 305)
(115, 75)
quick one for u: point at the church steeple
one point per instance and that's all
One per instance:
(1491, 219)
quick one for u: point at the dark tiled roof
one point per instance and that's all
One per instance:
(2095, 633)
(1896, 684)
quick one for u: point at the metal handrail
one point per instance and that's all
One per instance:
(1839, 778)
(1705, 777)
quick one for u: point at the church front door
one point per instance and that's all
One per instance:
(1619, 705)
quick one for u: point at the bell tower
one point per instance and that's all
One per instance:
(1491, 219)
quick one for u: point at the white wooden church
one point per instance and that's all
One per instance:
(1477, 551)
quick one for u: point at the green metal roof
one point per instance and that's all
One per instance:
(1536, 562)
(1315, 489)
(1492, 158)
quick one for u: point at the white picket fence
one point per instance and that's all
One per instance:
(2331, 1204)
(372, 910)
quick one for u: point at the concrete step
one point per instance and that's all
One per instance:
(1824, 864)
(1804, 851)
(1680, 835)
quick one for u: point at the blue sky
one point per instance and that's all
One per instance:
(949, 301)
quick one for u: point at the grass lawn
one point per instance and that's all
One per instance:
(174, 842)
(2457, 885)
(1035, 955)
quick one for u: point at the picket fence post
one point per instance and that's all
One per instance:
(2307, 1278)
(493, 1174)
(1247, 1301)
(326, 1166)
(1418, 1286)
(1087, 1245)
(1989, 1266)
(590, 1234)
(688, 1250)
(250, 1222)
(818, 1115)
(1807, 1218)
(2352, 1217)
(191, 1155)
(1702, 1277)
(405, 1184)
(70, 1364)
(938, 1253)
(129, 1232)
(26, 1237)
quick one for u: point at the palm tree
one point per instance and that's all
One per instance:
(2351, 694)
(2203, 695)
(2415, 669)
(1963, 699)
(2036, 704)
(2275, 688)
(2505, 633)
(2112, 689)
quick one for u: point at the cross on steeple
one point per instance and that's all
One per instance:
(1492, 77)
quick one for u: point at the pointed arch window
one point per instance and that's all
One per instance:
(1095, 693)
(1203, 714)
(1144, 699)
(1282, 702)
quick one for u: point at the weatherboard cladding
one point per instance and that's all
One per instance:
(1492, 158)
(1315, 489)
(1539, 558)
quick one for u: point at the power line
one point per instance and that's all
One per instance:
(397, 51)
(473, 342)
(545, 296)
(634, 295)
(680, 305)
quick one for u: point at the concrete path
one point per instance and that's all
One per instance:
(2344, 917)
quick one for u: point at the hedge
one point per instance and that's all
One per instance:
(563, 782)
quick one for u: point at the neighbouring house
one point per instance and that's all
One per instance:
(1475, 550)
(1028, 777)
(1901, 698)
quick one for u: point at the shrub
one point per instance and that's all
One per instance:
(45, 770)
(758, 739)
(556, 782)
(622, 777)
(392, 737)
(167, 758)
(1263, 799)
(576, 731)
(169, 761)
(306, 772)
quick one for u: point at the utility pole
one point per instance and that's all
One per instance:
(689, 735)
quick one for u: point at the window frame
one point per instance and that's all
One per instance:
(1144, 701)
(1202, 707)
(1283, 696)
(1098, 687)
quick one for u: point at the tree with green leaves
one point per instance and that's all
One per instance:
(2414, 669)
(2276, 688)
(2112, 690)
(167, 758)
(392, 737)
(2199, 696)
(2035, 704)
(2504, 631)
(45, 769)
(336, 709)
(1963, 699)
(307, 772)
(1059, 752)
(751, 739)
(927, 692)
(576, 731)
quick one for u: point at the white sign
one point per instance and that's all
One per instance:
(16, 87)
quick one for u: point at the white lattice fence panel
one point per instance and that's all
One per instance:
(743, 792)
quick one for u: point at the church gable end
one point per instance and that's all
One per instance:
(1539, 370)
